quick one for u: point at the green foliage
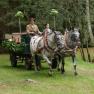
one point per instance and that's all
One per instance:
(19, 14)
(71, 13)
(53, 12)
(13, 46)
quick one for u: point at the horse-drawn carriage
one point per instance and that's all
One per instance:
(45, 45)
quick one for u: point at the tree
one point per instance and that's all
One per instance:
(19, 15)
(54, 13)
(89, 21)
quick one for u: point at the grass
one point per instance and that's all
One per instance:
(13, 80)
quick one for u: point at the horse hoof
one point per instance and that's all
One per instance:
(50, 73)
(75, 73)
(38, 69)
(62, 72)
(58, 69)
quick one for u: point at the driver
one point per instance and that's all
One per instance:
(32, 28)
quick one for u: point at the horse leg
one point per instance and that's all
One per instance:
(74, 64)
(62, 65)
(58, 62)
(49, 63)
(37, 62)
(34, 61)
(54, 63)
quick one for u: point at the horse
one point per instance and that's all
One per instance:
(46, 45)
(71, 43)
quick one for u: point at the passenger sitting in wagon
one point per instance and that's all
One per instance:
(47, 28)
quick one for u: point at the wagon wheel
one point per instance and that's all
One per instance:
(13, 60)
(28, 63)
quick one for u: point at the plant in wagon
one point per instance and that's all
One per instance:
(13, 49)
(13, 46)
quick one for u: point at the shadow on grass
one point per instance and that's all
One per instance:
(19, 67)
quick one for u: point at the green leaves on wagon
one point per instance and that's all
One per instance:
(13, 46)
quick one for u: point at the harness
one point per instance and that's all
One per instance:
(45, 41)
(46, 45)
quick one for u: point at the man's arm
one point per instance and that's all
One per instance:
(40, 33)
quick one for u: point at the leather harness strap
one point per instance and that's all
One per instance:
(46, 45)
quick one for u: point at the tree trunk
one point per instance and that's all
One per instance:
(89, 58)
(20, 25)
(82, 52)
(54, 23)
(88, 21)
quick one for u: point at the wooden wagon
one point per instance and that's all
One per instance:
(19, 49)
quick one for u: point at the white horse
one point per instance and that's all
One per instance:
(72, 42)
(46, 45)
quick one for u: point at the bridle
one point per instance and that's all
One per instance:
(66, 45)
(65, 42)
(57, 41)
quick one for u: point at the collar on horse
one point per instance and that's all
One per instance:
(45, 40)
(46, 45)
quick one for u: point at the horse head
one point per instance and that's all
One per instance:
(72, 38)
(59, 40)
(75, 36)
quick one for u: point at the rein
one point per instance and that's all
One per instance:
(46, 45)
(45, 40)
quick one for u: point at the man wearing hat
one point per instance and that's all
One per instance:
(32, 28)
